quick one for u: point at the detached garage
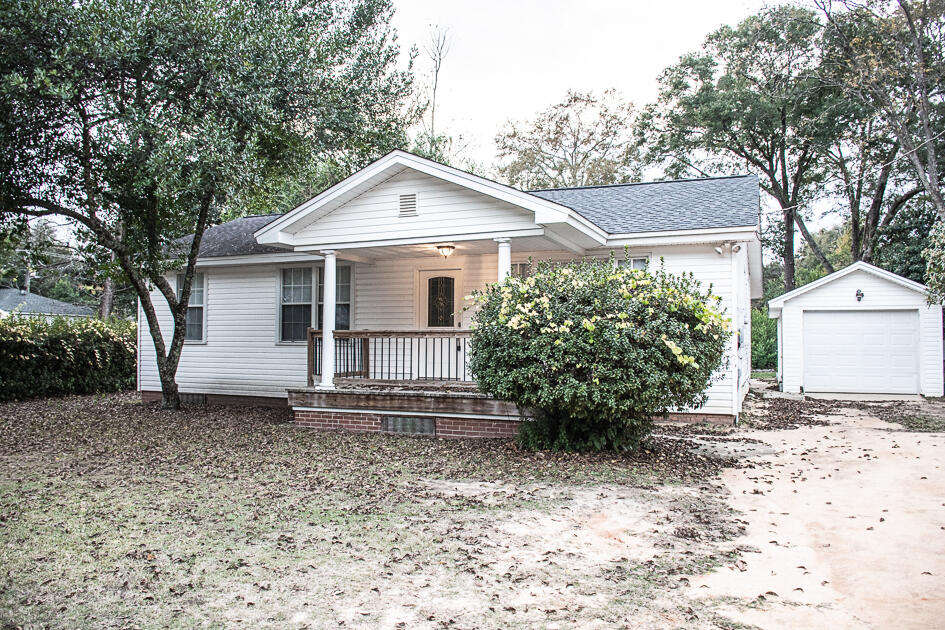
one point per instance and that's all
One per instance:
(859, 330)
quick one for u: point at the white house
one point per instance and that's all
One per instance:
(859, 330)
(350, 305)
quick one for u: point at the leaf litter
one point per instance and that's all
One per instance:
(119, 514)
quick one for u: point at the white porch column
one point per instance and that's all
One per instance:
(505, 258)
(328, 322)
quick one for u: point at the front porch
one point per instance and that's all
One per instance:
(398, 381)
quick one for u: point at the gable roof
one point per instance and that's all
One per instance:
(598, 211)
(778, 302)
(397, 161)
(684, 204)
(30, 303)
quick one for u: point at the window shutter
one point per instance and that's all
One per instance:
(408, 205)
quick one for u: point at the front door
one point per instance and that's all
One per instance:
(440, 299)
(440, 356)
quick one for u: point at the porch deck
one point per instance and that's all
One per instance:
(402, 381)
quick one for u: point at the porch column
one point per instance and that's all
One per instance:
(505, 258)
(328, 322)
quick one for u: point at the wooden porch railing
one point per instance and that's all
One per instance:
(394, 355)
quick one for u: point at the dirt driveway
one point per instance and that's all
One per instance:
(847, 520)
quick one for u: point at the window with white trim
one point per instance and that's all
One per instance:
(295, 315)
(638, 262)
(194, 322)
(342, 297)
(521, 269)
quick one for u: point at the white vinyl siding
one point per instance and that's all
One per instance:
(241, 355)
(443, 209)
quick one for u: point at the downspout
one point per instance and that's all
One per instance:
(138, 348)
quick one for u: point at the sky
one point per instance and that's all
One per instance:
(509, 59)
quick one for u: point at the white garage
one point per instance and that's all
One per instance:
(859, 330)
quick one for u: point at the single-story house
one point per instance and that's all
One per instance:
(350, 307)
(860, 330)
(31, 305)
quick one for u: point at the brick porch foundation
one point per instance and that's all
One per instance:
(445, 427)
(429, 405)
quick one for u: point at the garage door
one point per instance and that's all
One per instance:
(861, 351)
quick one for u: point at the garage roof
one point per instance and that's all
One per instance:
(774, 305)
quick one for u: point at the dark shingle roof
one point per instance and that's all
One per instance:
(686, 204)
(12, 299)
(235, 238)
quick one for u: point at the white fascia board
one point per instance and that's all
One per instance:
(256, 259)
(420, 240)
(779, 301)
(685, 237)
(755, 269)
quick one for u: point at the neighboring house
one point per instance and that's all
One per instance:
(860, 330)
(32, 305)
(379, 264)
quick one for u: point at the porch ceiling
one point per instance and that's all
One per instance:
(463, 248)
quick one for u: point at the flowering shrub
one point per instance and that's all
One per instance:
(596, 350)
(40, 357)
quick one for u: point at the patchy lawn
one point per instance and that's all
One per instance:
(116, 514)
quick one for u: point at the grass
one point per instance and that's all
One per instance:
(763, 374)
(116, 514)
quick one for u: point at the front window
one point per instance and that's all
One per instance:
(521, 270)
(342, 297)
(640, 262)
(296, 307)
(193, 330)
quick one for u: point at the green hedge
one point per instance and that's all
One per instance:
(55, 357)
(764, 341)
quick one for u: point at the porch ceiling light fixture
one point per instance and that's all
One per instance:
(445, 249)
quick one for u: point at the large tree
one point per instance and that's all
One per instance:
(138, 120)
(890, 56)
(584, 140)
(865, 165)
(751, 98)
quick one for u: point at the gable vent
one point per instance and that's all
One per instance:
(408, 205)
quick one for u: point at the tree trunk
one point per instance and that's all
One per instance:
(106, 302)
(170, 396)
(787, 251)
(814, 247)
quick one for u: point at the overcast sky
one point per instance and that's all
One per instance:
(509, 59)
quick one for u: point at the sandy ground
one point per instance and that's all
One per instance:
(848, 521)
